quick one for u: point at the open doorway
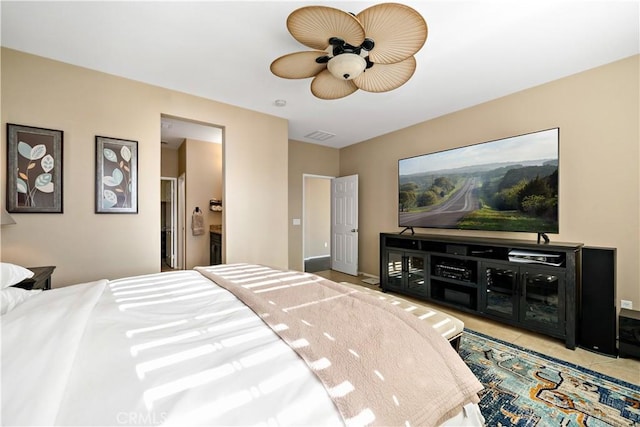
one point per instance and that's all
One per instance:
(316, 230)
(191, 154)
(168, 223)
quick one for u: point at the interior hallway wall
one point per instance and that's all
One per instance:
(312, 159)
(317, 217)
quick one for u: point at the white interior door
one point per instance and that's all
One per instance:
(181, 222)
(344, 224)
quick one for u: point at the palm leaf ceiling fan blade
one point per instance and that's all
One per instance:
(386, 77)
(298, 65)
(313, 26)
(325, 86)
(397, 30)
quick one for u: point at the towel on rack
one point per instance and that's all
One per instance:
(197, 223)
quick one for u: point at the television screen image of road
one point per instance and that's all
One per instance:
(509, 184)
(449, 213)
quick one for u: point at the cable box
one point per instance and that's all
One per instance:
(457, 249)
(535, 257)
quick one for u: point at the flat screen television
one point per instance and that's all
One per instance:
(510, 184)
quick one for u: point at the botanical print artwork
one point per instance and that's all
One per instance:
(116, 175)
(34, 169)
(34, 183)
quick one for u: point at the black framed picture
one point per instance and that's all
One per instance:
(116, 175)
(34, 169)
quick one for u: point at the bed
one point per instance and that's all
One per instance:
(234, 344)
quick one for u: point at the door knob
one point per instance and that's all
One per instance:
(354, 230)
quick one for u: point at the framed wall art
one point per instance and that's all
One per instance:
(34, 169)
(116, 175)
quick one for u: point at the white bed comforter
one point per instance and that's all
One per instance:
(171, 348)
(162, 349)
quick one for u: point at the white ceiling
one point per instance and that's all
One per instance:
(475, 51)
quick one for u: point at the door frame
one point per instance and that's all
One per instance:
(181, 217)
(174, 219)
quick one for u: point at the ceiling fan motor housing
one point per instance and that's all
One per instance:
(345, 61)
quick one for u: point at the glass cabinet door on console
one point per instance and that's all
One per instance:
(406, 272)
(501, 290)
(542, 300)
(395, 268)
(415, 267)
(527, 294)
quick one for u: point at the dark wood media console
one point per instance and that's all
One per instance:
(519, 282)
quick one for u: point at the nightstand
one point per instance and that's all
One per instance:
(41, 279)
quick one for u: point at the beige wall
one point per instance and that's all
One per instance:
(84, 103)
(316, 220)
(182, 159)
(169, 162)
(203, 183)
(312, 159)
(598, 115)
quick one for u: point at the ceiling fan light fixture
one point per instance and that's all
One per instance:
(347, 66)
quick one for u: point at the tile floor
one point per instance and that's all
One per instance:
(164, 266)
(624, 369)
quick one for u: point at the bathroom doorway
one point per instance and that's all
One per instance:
(169, 223)
(191, 154)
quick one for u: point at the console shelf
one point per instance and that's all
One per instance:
(522, 283)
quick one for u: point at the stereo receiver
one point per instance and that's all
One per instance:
(455, 272)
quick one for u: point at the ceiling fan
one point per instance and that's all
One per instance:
(372, 50)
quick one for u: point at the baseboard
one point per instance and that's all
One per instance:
(316, 257)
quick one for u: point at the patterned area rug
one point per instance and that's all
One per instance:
(525, 388)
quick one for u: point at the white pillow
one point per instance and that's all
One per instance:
(10, 274)
(10, 298)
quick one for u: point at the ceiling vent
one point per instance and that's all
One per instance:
(320, 135)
